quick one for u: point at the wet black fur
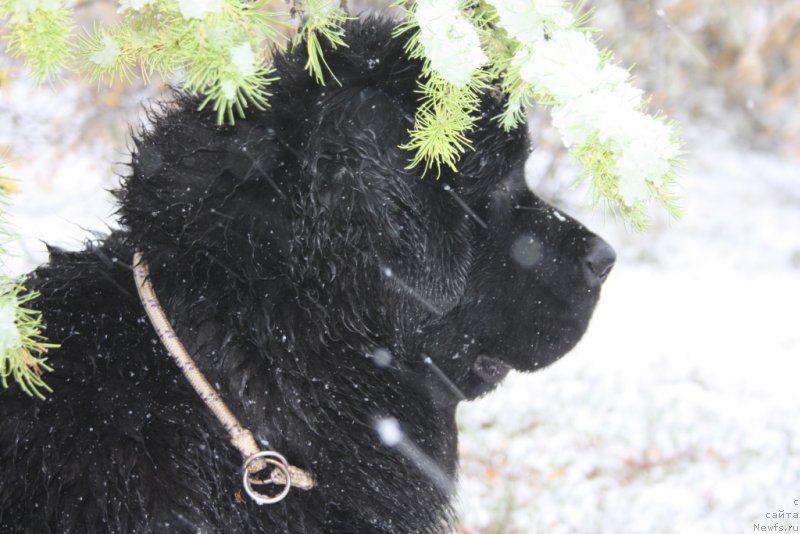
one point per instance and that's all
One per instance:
(288, 249)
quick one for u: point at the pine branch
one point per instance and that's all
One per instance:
(38, 34)
(464, 46)
(445, 114)
(22, 345)
(321, 20)
(543, 53)
(448, 107)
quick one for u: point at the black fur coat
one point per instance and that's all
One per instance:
(322, 286)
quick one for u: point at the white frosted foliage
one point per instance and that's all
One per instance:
(568, 65)
(592, 99)
(23, 9)
(106, 56)
(565, 65)
(645, 159)
(450, 41)
(643, 146)
(199, 9)
(9, 334)
(229, 89)
(244, 59)
(526, 20)
(135, 5)
(606, 112)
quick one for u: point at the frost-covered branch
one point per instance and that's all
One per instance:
(38, 30)
(321, 19)
(629, 157)
(538, 51)
(22, 346)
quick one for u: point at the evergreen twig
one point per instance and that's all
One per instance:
(22, 345)
(322, 20)
(219, 48)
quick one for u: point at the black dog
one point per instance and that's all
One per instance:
(323, 288)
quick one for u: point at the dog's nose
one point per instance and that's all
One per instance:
(600, 259)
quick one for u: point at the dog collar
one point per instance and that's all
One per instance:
(255, 459)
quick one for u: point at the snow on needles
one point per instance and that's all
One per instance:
(526, 21)
(244, 59)
(9, 334)
(593, 101)
(135, 5)
(451, 43)
(199, 9)
(22, 9)
(106, 56)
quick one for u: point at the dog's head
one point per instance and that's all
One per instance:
(475, 274)
(310, 214)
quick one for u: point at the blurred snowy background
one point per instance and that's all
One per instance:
(680, 409)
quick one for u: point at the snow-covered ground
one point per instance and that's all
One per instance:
(679, 410)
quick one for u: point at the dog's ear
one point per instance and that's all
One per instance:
(352, 158)
(213, 189)
(366, 200)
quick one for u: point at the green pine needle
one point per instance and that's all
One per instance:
(597, 162)
(41, 40)
(24, 361)
(322, 20)
(157, 39)
(22, 344)
(235, 94)
(445, 115)
(105, 56)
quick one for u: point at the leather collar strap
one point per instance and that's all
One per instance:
(255, 460)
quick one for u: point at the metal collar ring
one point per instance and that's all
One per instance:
(271, 458)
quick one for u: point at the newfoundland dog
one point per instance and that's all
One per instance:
(341, 304)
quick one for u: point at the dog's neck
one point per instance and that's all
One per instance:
(272, 369)
(255, 458)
